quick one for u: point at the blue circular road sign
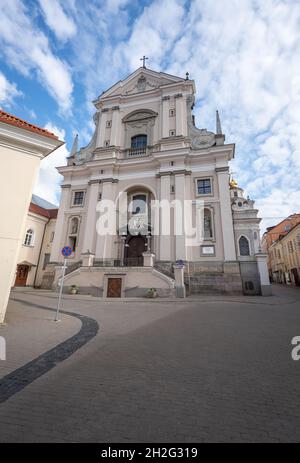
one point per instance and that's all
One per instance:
(66, 251)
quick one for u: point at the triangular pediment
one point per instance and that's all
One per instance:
(140, 81)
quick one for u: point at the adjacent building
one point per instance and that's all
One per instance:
(147, 150)
(22, 147)
(34, 254)
(280, 266)
(284, 257)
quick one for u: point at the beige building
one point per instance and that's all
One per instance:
(35, 250)
(22, 146)
(146, 150)
(284, 257)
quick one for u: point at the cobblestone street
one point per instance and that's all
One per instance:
(201, 370)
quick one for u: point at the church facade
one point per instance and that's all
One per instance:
(152, 190)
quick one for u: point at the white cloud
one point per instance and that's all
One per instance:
(62, 25)
(47, 184)
(28, 50)
(153, 34)
(8, 90)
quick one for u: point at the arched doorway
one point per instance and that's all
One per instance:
(134, 249)
(21, 275)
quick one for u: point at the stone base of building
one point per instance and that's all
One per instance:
(116, 281)
(208, 278)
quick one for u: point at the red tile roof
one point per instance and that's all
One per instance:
(50, 213)
(17, 122)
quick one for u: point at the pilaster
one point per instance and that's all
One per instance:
(165, 117)
(115, 127)
(90, 223)
(58, 235)
(165, 240)
(104, 244)
(179, 222)
(226, 214)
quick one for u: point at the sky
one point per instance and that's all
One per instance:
(56, 56)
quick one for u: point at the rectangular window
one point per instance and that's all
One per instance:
(172, 112)
(108, 124)
(172, 133)
(78, 198)
(204, 186)
(107, 143)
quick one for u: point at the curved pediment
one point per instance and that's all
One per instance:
(139, 115)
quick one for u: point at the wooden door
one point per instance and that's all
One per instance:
(21, 277)
(114, 287)
(135, 249)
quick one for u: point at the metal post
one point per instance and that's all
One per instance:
(60, 289)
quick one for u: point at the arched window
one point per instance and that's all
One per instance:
(139, 141)
(139, 204)
(244, 246)
(28, 241)
(208, 225)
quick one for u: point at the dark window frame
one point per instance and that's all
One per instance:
(204, 186)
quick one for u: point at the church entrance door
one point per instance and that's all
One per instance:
(134, 251)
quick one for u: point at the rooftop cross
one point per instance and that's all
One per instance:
(144, 61)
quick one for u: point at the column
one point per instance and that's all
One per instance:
(179, 230)
(104, 245)
(165, 218)
(58, 234)
(226, 214)
(165, 117)
(90, 223)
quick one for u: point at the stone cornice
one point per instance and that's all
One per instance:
(222, 169)
(91, 182)
(66, 186)
(174, 172)
(26, 141)
(109, 180)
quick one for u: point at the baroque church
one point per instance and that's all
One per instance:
(147, 149)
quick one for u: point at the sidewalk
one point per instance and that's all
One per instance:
(281, 295)
(29, 332)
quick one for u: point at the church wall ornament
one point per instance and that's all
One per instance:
(200, 138)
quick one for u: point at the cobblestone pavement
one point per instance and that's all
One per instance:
(197, 371)
(29, 333)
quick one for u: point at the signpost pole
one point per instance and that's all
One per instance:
(61, 289)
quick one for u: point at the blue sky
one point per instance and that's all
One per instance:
(56, 56)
